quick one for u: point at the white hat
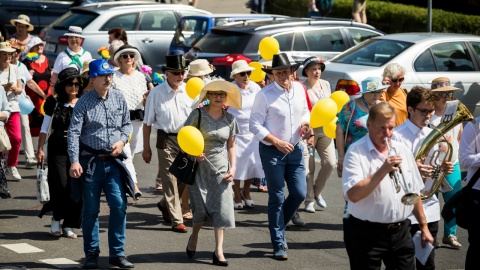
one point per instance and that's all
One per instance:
(234, 97)
(124, 49)
(200, 67)
(35, 41)
(6, 47)
(240, 66)
(74, 31)
(23, 19)
(266, 63)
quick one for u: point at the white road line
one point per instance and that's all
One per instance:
(23, 248)
(61, 263)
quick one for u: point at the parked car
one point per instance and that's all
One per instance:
(425, 56)
(191, 28)
(297, 37)
(150, 28)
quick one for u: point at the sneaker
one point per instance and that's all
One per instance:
(279, 253)
(451, 241)
(321, 202)
(31, 162)
(309, 208)
(296, 220)
(12, 173)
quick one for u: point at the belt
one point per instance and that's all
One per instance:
(169, 134)
(271, 146)
(105, 158)
(381, 226)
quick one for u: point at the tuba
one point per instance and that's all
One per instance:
(437, 136)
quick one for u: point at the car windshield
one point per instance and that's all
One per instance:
(374, 52)
(224, 42)
(81, 19)
(189, 31)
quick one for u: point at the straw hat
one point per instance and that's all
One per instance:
(234, 98)
(200, 67)
(443, 84)
(74, 31)
(86, 66)
(6, 47)
(371, 84)
(240, 66)
(124, 49)
(23, 19)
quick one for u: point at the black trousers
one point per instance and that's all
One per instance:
(370, 243)
(430, 263)
(473, 259)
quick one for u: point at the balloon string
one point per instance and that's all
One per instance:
(212, 165)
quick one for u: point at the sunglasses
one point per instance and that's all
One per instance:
(215, 95)
(76, 84)
(425, 112)
(176, 73)
(126, 56)
(245, 73)
(398, 79)
(379, 92)
(445, 94)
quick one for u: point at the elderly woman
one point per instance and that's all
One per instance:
(58, 114)
(211, 194)
(12, 83)
(318, 89)
(4, 114)
(352, 119)
(73, 56)
(133, 86)
(23, 27)
(248, 158)
(394, 74)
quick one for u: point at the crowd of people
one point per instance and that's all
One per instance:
(95, 115)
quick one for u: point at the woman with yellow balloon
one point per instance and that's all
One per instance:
(248, 157)
(211, 193)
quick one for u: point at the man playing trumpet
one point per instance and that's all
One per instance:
(377, 228)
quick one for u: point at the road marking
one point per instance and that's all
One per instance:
(61, 263)
(23, 248)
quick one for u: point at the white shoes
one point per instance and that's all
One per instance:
(31, 162)
(69, 233)
(309, 208)
(55, 228)
(12, 174)
(321, 202)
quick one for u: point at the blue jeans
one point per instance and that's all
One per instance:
(455, 181)
(291, 170)
(105, 175)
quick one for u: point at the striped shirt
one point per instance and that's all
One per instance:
(98, 123)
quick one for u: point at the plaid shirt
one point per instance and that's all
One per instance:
(98, 123)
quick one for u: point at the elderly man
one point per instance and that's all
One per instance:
(167, 108)
(279, 118)
(99, 130)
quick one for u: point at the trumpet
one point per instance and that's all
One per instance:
(410, 197)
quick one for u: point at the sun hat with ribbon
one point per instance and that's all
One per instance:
(371, 84)
(124, 49)
(74, 31)
(312, 61)
(200, 67)
(34, 42)
(240, 66)
(443, 84)
(23, 19)
(6, 47)
(234, 97)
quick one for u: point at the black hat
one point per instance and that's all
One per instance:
(312, 61)
(174, 62)
(68, 74)
(281, 61)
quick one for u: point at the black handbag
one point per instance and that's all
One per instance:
(184, 167)
(461, 205)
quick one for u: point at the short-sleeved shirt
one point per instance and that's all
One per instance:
(398, 100)
(12, 75)
(63, 60)
(357, 128)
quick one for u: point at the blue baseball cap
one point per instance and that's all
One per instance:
(99, 67)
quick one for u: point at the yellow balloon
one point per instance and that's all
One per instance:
(258, 74)
(268, 47)
(323, 112)
(330, 129)
(194, 87)
(190, 140)
(341, 98)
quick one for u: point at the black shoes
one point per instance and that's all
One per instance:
(91, 261)
(190, 253)
(215, 261)
(121, 262)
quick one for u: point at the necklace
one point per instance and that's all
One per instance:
(365, 103)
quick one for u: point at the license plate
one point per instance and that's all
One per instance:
(50, 48)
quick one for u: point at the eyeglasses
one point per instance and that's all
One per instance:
(70, 84)
(398, 79)
(245, 73)
(215, 95)
(176, 73)
(379, 92)
(445, 94)
(425, 112)
(126, 56)
(106, 76)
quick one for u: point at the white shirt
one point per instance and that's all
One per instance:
(133, 87)
(167, 109)
(279, 112)
(63, 60)
(412, 136)
(383, 204)
(12, 75)
(470, 150)
(243, 115)
(451, 135)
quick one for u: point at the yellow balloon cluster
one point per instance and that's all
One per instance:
(268, 47)
(257, 74)
(194, 87)
(340, 98)
(323, 112)
(190, 140)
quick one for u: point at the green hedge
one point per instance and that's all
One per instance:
(388, 17)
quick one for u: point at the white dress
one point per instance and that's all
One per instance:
(248, 158)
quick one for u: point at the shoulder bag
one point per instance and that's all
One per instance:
(4, 140)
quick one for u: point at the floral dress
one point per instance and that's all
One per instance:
(357, 128)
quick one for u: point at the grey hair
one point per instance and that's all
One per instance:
(392, 70)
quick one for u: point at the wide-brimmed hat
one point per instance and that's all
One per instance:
(371, 84)
(68, 74)
(23, 19)
(234, 97)
(17, 44)
(200, 67)
(281, 61)
(6, 47)
(86, 66)
(124, 49)
(174, 62)
(240, 66)
(443, 84)
(74, 31)
(34, 42)
(99, 67)
(312, 61)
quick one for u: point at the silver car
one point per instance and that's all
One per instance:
(150, 28)
(425, 56)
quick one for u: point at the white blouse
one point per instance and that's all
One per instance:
(133, 87)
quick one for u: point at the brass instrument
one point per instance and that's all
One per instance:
(437, 136)
(409, 198)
